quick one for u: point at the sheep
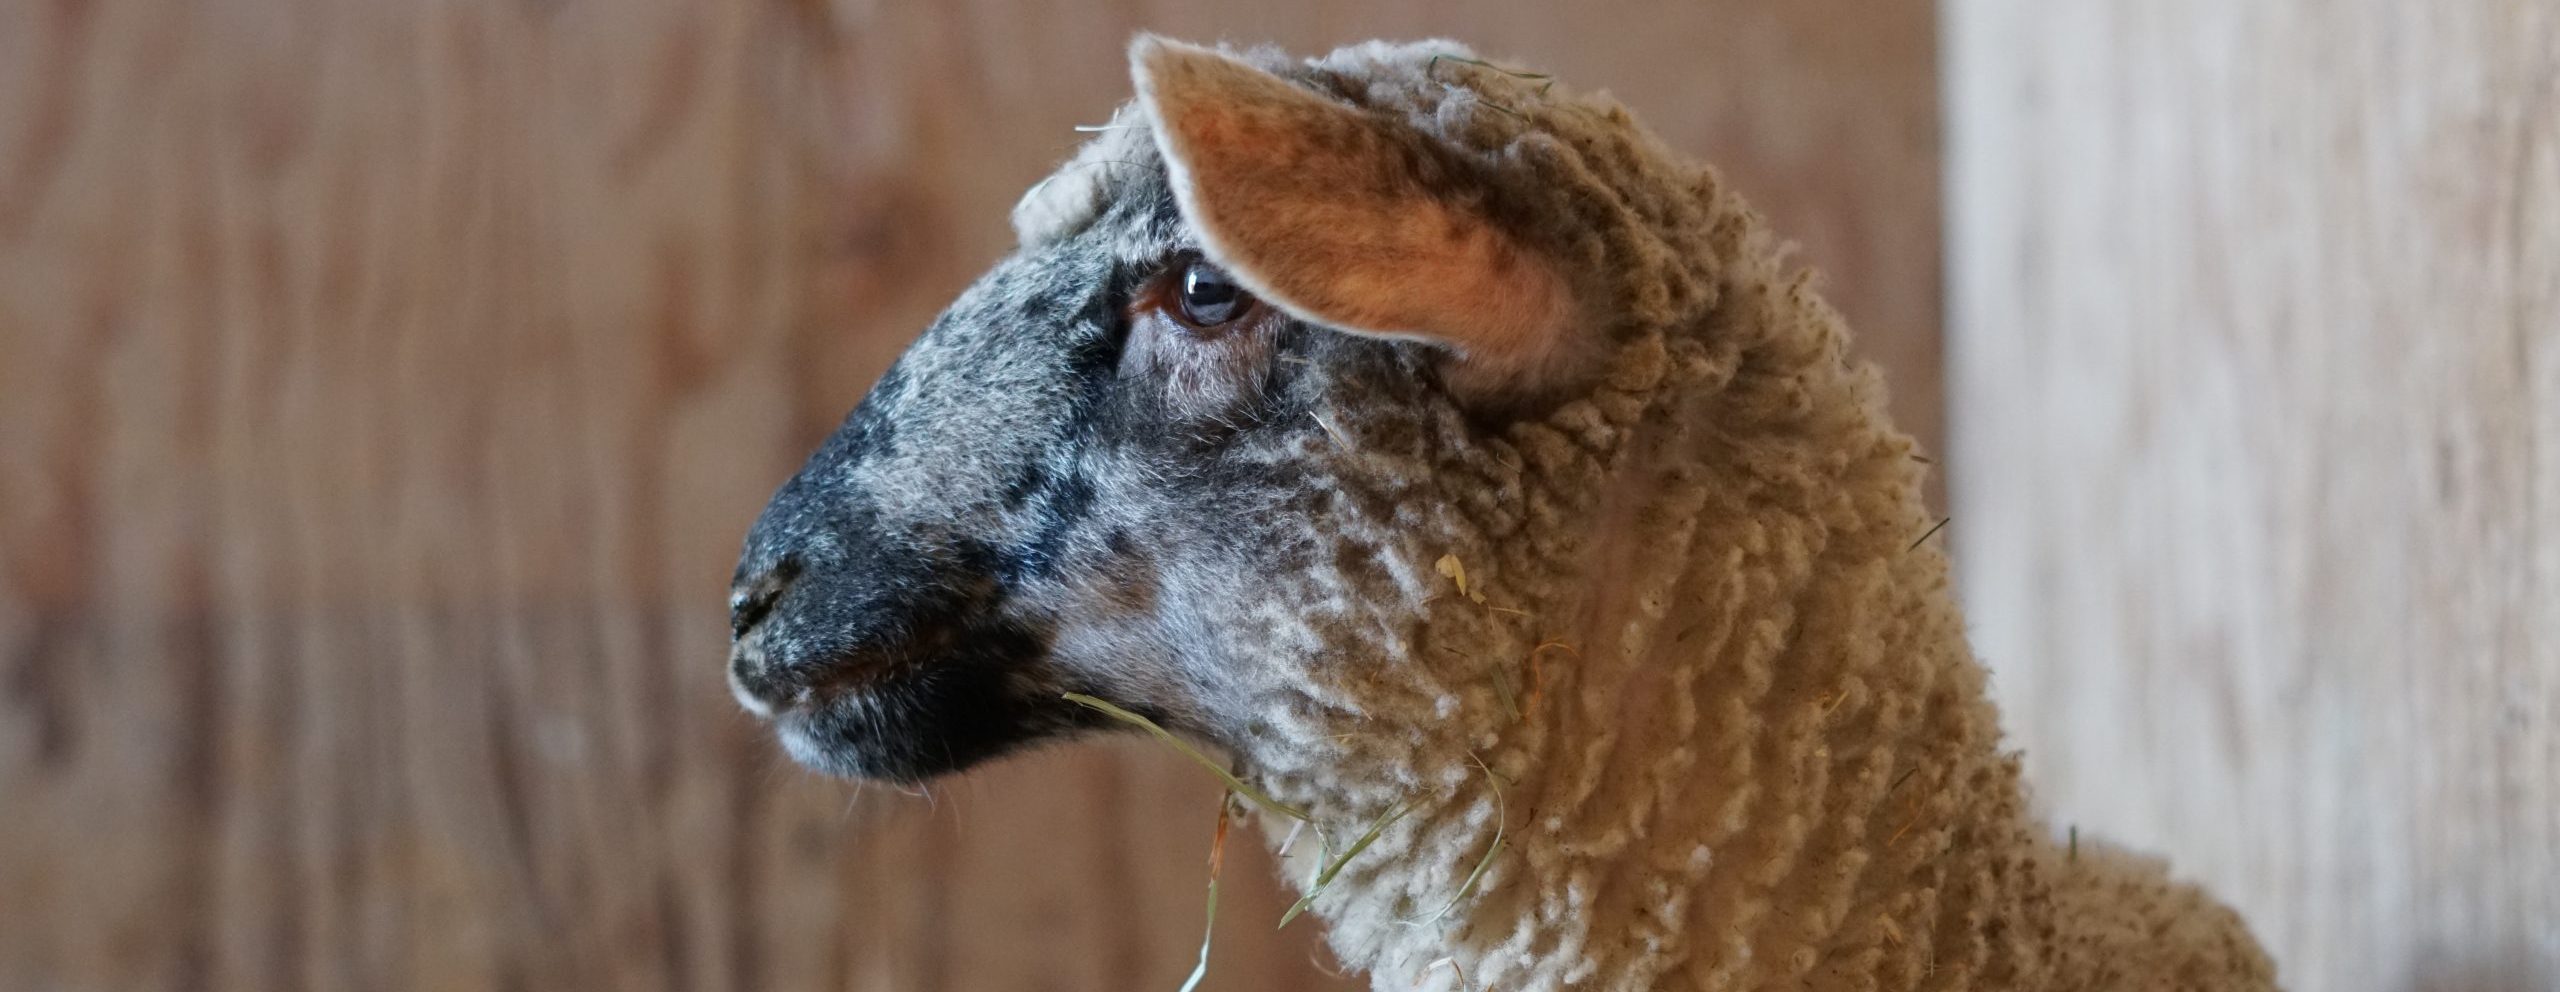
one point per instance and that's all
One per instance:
(1479, 476)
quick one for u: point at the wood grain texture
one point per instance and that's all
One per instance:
(384, 388)
(2257, 380)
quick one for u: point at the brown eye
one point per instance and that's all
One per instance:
(1207, 298)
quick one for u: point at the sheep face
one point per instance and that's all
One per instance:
(1197, 445)
(1057, 488)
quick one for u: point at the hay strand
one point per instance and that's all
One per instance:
(1501, 831)
(1548, 84)
(1334, 866)
(1327, 863)
(1502, 688)
(1217, 862)
(1450, 962)
(1251, 794)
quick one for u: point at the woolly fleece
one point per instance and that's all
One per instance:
(1751, 748)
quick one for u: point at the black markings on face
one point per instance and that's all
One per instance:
(1006, 478)
(1056, 509)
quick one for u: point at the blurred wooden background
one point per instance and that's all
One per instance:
(385, 386)
(2257, 395)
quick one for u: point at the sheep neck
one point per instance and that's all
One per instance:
(1760, 756)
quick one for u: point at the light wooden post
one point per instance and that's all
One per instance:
(2256, 399)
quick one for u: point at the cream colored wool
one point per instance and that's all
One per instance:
(1751, 748)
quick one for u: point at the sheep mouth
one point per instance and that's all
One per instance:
(919, 716)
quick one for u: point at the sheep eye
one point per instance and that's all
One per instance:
(1208, 298)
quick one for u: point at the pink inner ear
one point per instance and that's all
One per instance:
(1313, 205)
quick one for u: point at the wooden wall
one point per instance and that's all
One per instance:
(385, 386)
(2256, 339)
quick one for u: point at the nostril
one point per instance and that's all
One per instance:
(751, 600)
(749, 607)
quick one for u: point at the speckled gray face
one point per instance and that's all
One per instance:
(1049, 492)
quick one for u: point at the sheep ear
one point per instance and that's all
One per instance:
(1327, 212)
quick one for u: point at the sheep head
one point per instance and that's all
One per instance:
(1282, 353)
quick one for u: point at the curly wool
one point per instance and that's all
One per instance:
(1734, 735)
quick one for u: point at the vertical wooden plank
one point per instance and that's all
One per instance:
(384, 388)
(2257, 402)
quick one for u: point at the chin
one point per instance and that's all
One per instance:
(938, 721)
